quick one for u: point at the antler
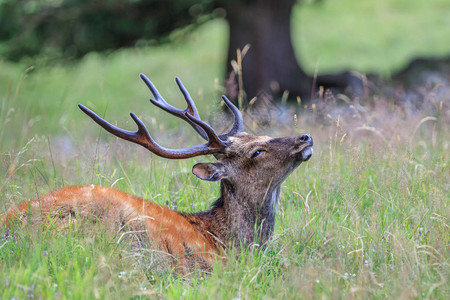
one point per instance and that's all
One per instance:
(191, 109)
(238, 122)
(161, 103)
(216, 143)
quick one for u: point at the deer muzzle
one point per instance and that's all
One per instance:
(306, 142)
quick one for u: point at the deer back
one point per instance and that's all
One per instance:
(250, 168)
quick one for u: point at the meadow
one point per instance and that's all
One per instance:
(366, 217)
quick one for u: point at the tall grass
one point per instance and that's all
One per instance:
(366, 217)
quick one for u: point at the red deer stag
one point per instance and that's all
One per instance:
(250, 168)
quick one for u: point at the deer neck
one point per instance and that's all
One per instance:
(243, 217)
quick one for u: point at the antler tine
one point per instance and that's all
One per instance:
(161, 103)
(238, 121)
(213, 139)
(191, 105)
(125, 134)
(143, 138)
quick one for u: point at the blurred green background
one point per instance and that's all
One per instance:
(364, 36)
(366, 217)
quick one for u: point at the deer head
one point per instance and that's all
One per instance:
(251, 168)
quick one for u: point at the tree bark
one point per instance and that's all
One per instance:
(271, 65)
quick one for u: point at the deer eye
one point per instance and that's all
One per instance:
(258, 152)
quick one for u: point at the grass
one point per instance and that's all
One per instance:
(369, 36)
(367, 217)
(364, 218)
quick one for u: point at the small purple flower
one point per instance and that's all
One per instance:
(174, 205)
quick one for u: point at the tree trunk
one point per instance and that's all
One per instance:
(270, 65)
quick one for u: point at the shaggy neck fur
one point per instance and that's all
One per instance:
(237, 218)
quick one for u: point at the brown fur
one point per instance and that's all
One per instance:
(244, 213)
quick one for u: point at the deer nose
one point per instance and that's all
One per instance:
(306, 138)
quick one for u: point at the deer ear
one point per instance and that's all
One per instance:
(210, 171)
